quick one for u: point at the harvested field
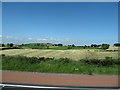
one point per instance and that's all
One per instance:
(72, 54)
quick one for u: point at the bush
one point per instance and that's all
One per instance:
(64, 60)
(106, 62)
(105, 46)
(69, 47)
(117, 44)
(2, 55)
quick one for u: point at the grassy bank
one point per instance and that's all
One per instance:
(63, 65)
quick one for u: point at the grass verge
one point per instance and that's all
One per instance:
(63, 65)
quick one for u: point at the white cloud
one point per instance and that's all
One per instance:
(65, 41)
(41, 39)
(16, 40)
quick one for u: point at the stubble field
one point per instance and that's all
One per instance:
(71, 54)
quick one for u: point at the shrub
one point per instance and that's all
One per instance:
(117, 44)
(105, 46)
(47, 47)
(2, 55)
(69, 47)
(106, 62)
(64, 60)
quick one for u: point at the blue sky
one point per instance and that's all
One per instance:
(77, 23)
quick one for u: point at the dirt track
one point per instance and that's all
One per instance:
(57, 79)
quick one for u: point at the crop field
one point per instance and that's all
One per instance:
(71, 54)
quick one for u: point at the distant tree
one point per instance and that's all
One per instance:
(60, 44)
(88, 46)
(8, 45)
(95, 45)
(105, 46)
(117, 44)
(3, 45)
(73, 45)
(69, 47)
(92, 45)
(99, 45)
(11, 44)
(22, 44)
(38, 44)
(55, 44)
(47, 47)
(84, 47)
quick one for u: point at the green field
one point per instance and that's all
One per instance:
(62, 65)
(72, 54)
(55, 47)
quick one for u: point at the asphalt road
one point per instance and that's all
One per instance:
(82, 82)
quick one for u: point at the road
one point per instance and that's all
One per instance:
(60, 80)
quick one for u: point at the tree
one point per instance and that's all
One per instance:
(3, 45)
(69, 47)
(55, 44)
(8, 45)
(99, 45)
(88, 46)
(92, 45)
(47, 47)
(117, 44)
(11, 44)
(84, 47)
(73, 45)
(105, 46)
(95, 45)
(60, 44)
(22, 44)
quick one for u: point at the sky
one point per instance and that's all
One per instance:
(79, 23)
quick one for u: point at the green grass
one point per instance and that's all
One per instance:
(44, 46)
(59, 48)
(63, 65)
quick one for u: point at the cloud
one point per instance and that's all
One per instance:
(17, 40)
(65, 41)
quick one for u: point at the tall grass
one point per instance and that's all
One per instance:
(62, 65)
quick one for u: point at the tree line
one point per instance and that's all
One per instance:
(103, 46)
